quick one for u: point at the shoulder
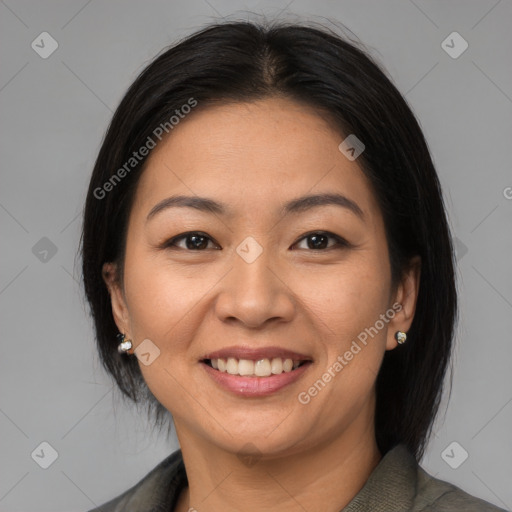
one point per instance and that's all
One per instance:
(152, 491)
(400, 483)
(434, 495)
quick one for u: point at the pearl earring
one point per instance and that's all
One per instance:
(400, 337)
(125, 346)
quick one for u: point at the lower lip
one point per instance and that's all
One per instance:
(255, 386)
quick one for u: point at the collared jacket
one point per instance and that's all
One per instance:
(397, 484)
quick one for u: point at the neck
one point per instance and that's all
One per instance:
(325, 477)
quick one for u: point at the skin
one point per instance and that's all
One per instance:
(254, 157)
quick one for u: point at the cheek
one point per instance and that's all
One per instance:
(345, 304)
(348, 298)
(163, 304)
(156, 294)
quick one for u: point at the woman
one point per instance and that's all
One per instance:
(267, 258)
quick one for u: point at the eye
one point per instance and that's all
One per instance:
(318, 240)
(194, 241)
(198, 241)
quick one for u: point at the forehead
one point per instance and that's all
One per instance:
(250, 154)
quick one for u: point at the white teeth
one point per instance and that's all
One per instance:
(260, 368)
(245, 367)
(277, 365)
(232, 366)
(287, 365)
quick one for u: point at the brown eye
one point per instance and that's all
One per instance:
(319, 240)
(194, 241)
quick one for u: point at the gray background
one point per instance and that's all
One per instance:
(54, 112)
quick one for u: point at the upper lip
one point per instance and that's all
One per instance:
(256, 353)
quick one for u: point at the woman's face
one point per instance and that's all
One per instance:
(311, 279)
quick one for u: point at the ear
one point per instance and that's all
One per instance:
(404, 304)
(119, 308)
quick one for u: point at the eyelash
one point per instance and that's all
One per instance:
(340, 242)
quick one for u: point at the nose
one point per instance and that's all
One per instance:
(255, 293)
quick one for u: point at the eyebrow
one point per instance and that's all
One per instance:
(301, 204)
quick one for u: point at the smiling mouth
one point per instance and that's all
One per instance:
(265, 367)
